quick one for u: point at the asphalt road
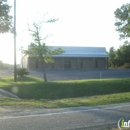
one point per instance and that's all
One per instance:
(71, 74)
(6, 73)
(82, 118)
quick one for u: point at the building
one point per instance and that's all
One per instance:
(73, 58)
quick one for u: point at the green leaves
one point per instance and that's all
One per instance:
(22, 71)
(56, 51)
(120, 56)
(52, 20)
(43, 52)
(5, 18)
(123, 21)
(38, 47)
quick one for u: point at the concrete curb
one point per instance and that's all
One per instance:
(8, 94)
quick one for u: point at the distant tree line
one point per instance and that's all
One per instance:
(5, 65)
(121, 56)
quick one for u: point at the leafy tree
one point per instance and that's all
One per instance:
(120, 56)
(122, 24)
(125, 52)
(123, 21)
(5, 18)
(112, 55)
(39, 49)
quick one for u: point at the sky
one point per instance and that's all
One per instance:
(81, 23)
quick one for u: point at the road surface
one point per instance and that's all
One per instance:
(81, 118)
(75, 74)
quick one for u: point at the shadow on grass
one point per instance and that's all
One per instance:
(28, 79)
(21, 79)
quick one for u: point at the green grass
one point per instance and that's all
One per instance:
(36, 93)
(68, 102)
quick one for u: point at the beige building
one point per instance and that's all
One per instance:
(73, 58)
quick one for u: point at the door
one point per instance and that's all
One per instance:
(67, 64)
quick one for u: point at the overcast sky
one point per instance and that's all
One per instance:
(81, 23)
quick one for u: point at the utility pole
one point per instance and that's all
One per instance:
(15, 65)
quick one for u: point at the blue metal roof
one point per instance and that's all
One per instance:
(72, 51)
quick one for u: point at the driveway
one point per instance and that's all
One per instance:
(60, 74)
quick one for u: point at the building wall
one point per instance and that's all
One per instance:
(73, 63)
(100, 62)
(87, 62)
(24, 62)
(57, 63)
(32, 62)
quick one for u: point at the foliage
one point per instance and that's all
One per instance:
(120, 56)
(123, 21)
(5, 65)
(22, 71)
(126, 65)
(111, 56)
(5, 18)
(38, 47)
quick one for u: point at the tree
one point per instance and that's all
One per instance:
(39, 49)
(122, 24)
(120, 56)
(5, 18)
(125, 52)
(111, 56)
(123, 21)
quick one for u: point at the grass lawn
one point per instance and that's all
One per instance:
(36, 93)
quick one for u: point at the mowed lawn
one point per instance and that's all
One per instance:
(34, 92)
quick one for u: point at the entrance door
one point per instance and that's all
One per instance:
(67, 64)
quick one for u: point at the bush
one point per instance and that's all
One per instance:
(126, 65)
(22, 71)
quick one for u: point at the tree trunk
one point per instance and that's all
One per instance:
(44, 72)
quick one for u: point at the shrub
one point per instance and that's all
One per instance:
(126, 65)
(22, 71)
